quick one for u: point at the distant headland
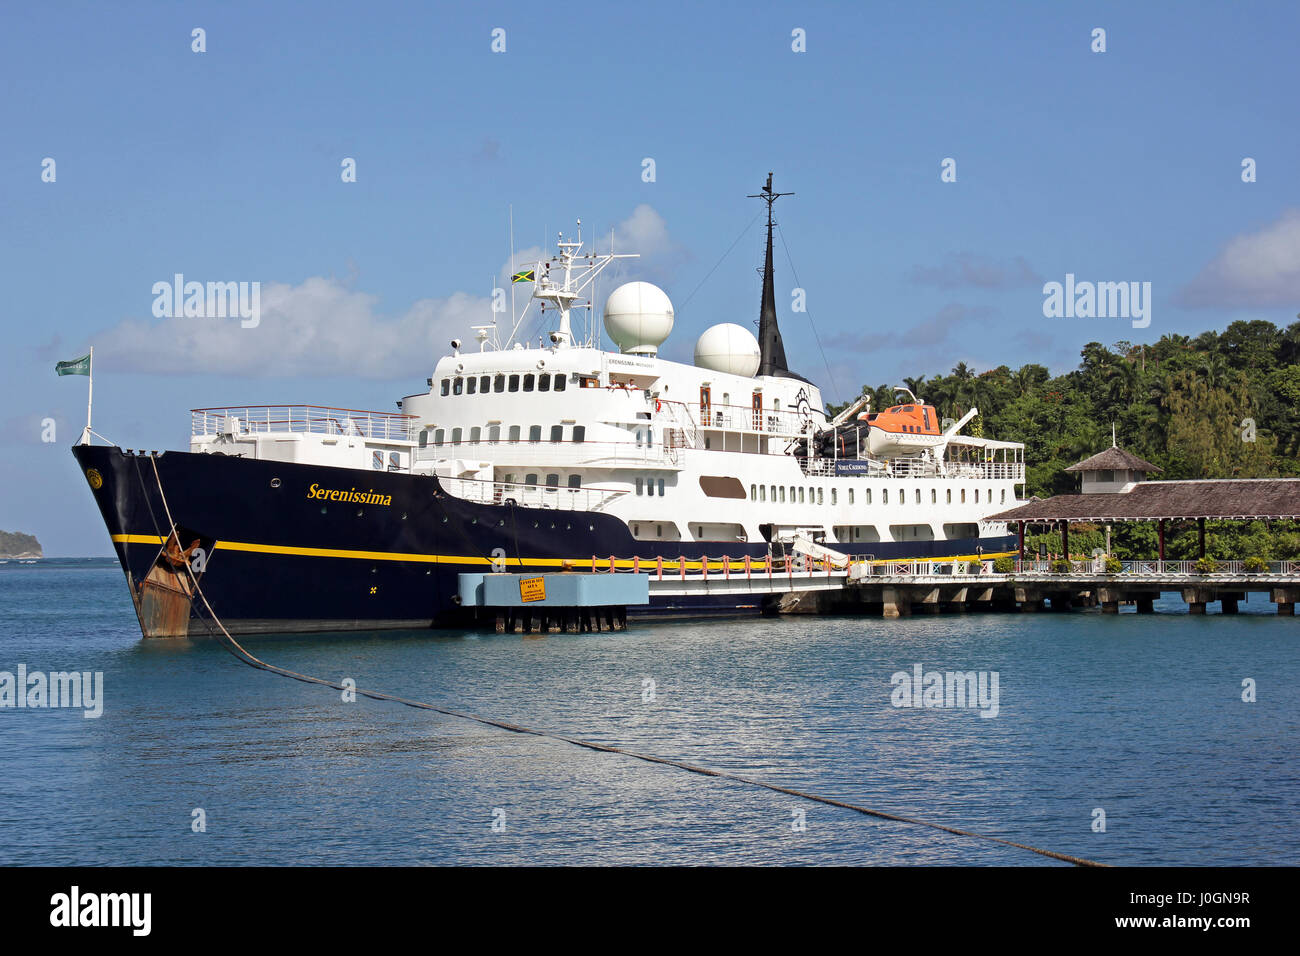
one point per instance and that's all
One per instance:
(15, 544)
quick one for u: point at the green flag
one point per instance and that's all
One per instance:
(522, 277)
(79, 366)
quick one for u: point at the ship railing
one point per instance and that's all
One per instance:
(300, 419)
(543, 452)
(487, 492)
(917, 467)
(744, 418)
(1014, 470)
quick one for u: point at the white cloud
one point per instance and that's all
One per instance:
(323, 327)
(317, 328)
(1259, 268)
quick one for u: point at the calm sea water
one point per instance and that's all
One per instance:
(1139, 716)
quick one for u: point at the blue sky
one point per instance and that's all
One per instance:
(225, 166)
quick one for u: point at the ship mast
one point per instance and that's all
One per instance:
(771, 349)
(571, 288)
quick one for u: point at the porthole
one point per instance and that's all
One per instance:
(275, 482)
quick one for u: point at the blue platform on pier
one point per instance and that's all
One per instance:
(568, 589)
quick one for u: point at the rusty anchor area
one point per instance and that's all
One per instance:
(164, 598)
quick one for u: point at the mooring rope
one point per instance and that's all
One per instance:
(240, 653)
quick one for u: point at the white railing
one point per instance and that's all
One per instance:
(1133, 569)
(921, 467)
(485, 492)
(559, 454)
(949, 568)
(300, 419)
(742, 418)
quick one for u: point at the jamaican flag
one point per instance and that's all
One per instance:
(522, 277)
(79, 366)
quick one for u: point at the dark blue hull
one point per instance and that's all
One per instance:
(291, 547)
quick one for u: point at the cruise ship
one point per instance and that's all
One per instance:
(549, 455)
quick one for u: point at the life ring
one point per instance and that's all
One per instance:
(658, 406)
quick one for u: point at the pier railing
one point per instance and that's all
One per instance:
(1042, 570)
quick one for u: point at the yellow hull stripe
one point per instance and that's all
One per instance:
(597, 564)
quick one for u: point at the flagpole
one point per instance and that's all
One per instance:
(90, 395)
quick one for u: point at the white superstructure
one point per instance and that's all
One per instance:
(710, 452)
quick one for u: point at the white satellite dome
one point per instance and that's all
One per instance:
(638, 317)
(728, 348)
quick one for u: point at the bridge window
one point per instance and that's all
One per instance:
(553, 480)
(494, 433)
(559, 381)
(514, 433)
(579, 432)
(446, 386)
(543, 383)
(455, 436)
(499, 383)
(575, 481)
(640, 482)
(484, 384)
(557, 433)
(534, 432)
(457, 385)
(528, 382)
(514, 383)
(471, 385)
(475, 433)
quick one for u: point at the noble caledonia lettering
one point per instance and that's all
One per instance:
(361, 497)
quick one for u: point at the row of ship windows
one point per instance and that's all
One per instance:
(777, 493)
(503, 383)
(552, 481)
(439, 435)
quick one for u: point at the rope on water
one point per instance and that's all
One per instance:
(243, 655)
